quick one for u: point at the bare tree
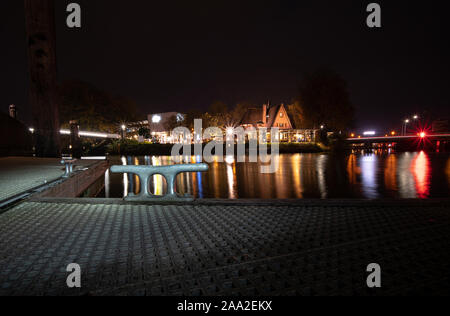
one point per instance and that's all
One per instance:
(41, 40)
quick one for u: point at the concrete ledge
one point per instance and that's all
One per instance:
(77, 184)
(249, 202)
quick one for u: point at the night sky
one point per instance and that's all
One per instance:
(186, 54)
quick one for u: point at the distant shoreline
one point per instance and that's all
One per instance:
(136, 149)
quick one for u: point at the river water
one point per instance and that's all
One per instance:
(369, 176)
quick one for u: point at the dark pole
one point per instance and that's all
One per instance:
(75, 140)
(41, 39)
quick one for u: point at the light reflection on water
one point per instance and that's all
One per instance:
(369, 169)
(421, 171)
(369, 176)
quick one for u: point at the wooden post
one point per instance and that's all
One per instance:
(41, 41)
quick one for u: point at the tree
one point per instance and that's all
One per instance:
(218, 108)
(41, 40)
(93, 108)
(191, 116)
(172, 123)
(217, 115)
(295, 112)
(239, 111)
(144, 132)
(325, 100)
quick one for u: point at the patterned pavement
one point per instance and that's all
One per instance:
(271, 248)
(20, 174)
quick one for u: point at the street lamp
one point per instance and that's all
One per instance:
(123, 131)
(405, 127)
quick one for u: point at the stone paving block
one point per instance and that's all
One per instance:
(225, 250)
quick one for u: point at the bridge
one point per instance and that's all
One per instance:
(435, 141)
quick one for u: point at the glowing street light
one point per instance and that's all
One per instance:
(404, 127)
(157, 119)
(31, 130)
(123, 127)
(416, 117)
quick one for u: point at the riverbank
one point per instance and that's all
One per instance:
(131, 148)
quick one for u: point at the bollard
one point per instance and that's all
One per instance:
(69, 167)
(170, 173)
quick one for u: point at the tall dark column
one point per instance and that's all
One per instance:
(75, 140)
(41, 40)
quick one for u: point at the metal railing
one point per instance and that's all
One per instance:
(170, 173)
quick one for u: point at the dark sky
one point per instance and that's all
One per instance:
(187, 54)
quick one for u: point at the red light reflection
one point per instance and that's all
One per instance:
(422, 174)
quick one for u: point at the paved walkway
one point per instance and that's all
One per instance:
(269, 248)
(20, 174)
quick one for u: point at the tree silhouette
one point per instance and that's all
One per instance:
(94, 109)
(325, 100)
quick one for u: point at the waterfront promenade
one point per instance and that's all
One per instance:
(19, 175)
(225, 247)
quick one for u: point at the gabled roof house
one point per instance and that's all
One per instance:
(267, 117)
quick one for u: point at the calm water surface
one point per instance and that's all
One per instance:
(369, 176)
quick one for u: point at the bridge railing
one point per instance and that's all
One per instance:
(170, 173)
